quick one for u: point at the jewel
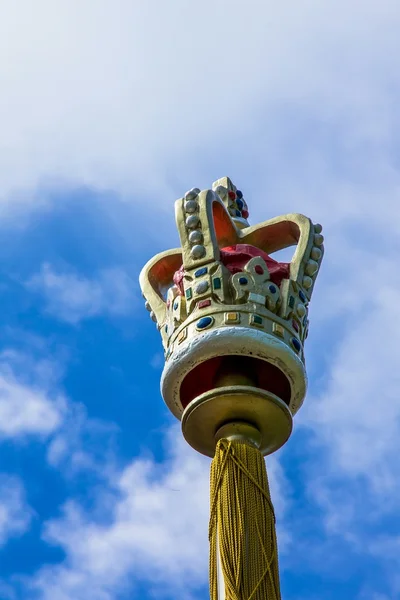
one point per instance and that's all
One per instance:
(189, 294)
(259, 298)
(239, 194)
(256, 320)
(272, 289)
(204, 303)
(302, 296)
(295, 325)
(200, 272)
(301, 309)
(238, 213)
(239, 203)
(243, 281)
(204, 322)
(245, 213)
(176, 305)
(291, 301)
(231, 195)
(307, 282)
(232, 317)
(296, 344)
(202, 287)
(217, 283)
(259, 270)
(278, 330)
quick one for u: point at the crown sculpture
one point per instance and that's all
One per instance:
(233, 323)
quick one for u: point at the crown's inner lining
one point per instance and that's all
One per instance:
(234, 370)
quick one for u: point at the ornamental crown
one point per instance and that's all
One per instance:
(222, 297)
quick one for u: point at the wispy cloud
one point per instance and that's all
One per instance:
(26, 408)
(149, 524)
(71, 297)
(15, 514)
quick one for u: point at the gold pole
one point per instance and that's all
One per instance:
(243, 548)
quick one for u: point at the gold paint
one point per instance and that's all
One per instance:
(278, 329)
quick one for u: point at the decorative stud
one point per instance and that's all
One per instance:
(182, 336)
(204, 303)
(231, 195)
(239, 203)
(232, 317)
(316, 253)
(195, 237)
(311, 267)
(302, 296)
(192, 222)
(295, 325)
(204, 323)
(239, 194)
(307, 282)
(198, 251)
(221, 191)
(301, 310)
(189, 294)
(191, 206)
(202, 287)
(272, 289)
(277, 329)
(217, 283)
(243, 280)
(291, 301)
(176, 304)
(317, 228)
(201, 272)
(256, 320)
(318, 239)
(259, 270)
(191, 194)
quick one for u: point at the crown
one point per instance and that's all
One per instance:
(231, 317)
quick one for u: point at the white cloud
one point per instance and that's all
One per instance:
(72, 297)
(26, 408)
(120, 94)
(150, 525)
(15, 514)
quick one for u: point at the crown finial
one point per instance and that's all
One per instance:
(228, 311)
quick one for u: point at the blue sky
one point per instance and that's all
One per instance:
(109, 111)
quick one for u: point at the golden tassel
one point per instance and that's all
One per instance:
(242, 525)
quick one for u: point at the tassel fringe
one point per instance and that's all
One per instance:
(242, 525)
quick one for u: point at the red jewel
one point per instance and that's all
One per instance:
(232, 195)
(204, 303)
(295, 325)
(245, 213)
(258, 269)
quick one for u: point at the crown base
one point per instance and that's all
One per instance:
(204, 417)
